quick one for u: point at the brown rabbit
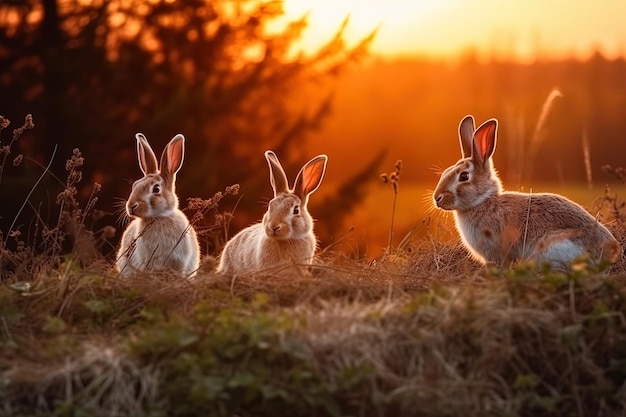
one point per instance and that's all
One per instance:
(160, 236)
(286, 231)
(501, 226)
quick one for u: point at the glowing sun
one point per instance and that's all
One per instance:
(397, 21)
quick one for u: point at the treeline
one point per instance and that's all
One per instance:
(412, 109)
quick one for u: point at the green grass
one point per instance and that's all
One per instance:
(345, 340)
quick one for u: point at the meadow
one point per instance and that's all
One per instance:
(420, 330)
(393, 318)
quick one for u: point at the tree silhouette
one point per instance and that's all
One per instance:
(94, 73)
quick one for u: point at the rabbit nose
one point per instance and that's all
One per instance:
(132, 208)
(275, 228)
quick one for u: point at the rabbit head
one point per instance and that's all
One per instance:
(154, 195)
(287, 216)
(472, 179)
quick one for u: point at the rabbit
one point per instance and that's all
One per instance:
(160, 236)
(503, 227)
(285, 235)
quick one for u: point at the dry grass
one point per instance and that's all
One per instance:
(425, 331)
(612, 213)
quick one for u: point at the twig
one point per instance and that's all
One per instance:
(31, 193)
(530, 194)
(587, 157)
(393, 216)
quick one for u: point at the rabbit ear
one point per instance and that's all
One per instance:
(278, 179)
(310, 177)
(172, 158)
(485, 141)
(146, 156)
(466, 135)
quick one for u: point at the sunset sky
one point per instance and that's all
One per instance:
(513, 28)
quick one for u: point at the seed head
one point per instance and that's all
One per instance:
(232, 189)
(108, 232)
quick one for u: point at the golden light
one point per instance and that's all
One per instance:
(443, 28)
(395, 20)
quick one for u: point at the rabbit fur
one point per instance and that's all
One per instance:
(502, 227)
(285, 235)
(160, 236)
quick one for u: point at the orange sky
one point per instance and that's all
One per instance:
(512, 28)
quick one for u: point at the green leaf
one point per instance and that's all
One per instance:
(54, 325)
(526, 381)
(570, 335)
(98, 306)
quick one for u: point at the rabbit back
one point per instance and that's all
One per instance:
(545, 228)
(252, 250)
(242, 251)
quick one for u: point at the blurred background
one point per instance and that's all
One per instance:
(366, 82)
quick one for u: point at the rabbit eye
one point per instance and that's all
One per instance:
(156, 188)
(464, 176)
(296, 210)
